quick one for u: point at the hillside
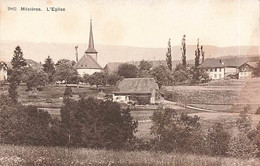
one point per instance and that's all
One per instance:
(107, 53)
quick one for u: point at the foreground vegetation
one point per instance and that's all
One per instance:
(30, 155)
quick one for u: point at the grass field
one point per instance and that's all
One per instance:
(56, 156)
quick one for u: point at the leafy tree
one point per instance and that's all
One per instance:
(112, 79)
(242, 147)
(180, 76)
(36, 79)
(174, 131)
(145, 65)
(49, 68)
(97, 79)
(18, 62)
(23, 124)
(218, 139)
(169, 56)
(183, 52)
(257, 70)
(127, 70)
(96, 124)
(67, 94)
(66, 72)
(162, 75)
(257, 138)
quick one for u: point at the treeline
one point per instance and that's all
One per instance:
(181, 133)
(84, 123)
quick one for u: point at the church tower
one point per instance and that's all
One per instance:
(91, 49)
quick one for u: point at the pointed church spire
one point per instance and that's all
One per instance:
(91, 48)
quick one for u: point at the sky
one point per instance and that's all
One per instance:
(139, 23)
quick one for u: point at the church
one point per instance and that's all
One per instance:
(88, 64)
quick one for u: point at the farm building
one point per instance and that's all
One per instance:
(140, 90)
(247, 69)
(227, 68)
(88, 63)
(214, 67)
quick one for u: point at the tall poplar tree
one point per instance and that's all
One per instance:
(183, 52)
(169, 56)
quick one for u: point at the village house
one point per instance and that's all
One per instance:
(88, 62)
(140, 90)
(230, 67)
(247, 69)
(214, 67)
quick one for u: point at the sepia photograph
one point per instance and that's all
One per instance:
(129, 82)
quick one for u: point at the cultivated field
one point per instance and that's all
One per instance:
(56, 156)
(221, 95)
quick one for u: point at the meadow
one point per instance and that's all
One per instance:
(57, 156)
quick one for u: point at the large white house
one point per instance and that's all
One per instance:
(214, 67)
(88, 62)
(229, 68)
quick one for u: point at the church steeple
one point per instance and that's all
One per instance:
(91, 49)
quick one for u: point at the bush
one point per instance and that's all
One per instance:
(174, 131)
(217, 140)
(241, 146)
(24, 125)
(143, 100)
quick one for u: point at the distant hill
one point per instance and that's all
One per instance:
(106, 53)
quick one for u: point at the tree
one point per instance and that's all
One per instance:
(183, 52)
(257, 70)
(145, 65)
(169, 56)
(218, 139)
(202, 54)
(180, 77)
(67, 94)
(37, 79)
(96, 124)
(18, 62)
(97, 79)
(162, 75)
(197, 63)
(112, 79)
(242, 147)
(127, 70)
(174, 131)
(66, 72)
(49, 68)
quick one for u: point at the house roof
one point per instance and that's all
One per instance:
(87, 62)
(136, 86)
(35, 65)
(252, 64)
(211, 63)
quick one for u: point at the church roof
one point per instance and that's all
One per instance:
(91, 48)
(87, 62)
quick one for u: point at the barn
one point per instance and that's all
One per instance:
(139, 90)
